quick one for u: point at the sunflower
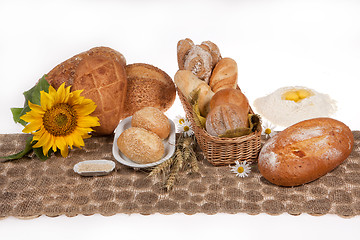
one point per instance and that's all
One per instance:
(61, 120)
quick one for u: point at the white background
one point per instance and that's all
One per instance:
(275, 43)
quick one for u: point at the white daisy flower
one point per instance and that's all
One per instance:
(185, 128)
(179, 120)
(268, 130)
(241, 169)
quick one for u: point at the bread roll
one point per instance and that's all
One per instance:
(152, 119)
(305, 151)
(224, 75)
(141, 145)
(226, 117)
(188, 84)
(230, 95)
(147, 86)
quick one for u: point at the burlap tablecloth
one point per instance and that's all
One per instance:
(30, 188)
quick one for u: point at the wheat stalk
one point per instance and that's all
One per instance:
(175, 169)
(162, 167)
(193, 162)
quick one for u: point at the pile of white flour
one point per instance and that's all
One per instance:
(286, 112)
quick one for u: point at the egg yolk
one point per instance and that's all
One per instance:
(296, 95)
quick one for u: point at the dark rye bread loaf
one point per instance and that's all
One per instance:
(147, 86)
(305, 151)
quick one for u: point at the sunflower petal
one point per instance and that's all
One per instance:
(60, 94)
(88, 121)
(32, 127)
(35, 108)
(85, 109)
(65, 151)
(47, 101)
(69, 141)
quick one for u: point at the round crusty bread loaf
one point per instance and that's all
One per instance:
(66, 71)
(141, 145)
(104, 81)
(230, 95)
(147, 86)
(305, 151)
(152, 119)
(100, 73)
(226, 117)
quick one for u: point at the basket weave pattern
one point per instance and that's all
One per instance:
(223, 151)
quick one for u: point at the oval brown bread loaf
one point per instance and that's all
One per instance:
(152, 119)
(226, 117)
(141, 145)
(148, 86)
(305, 151)
(224, 75)
(100, 73)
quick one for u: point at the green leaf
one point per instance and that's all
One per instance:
(33, 95)
(39, 153)
(27, 149)
(16, 115)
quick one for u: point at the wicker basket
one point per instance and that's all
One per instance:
(223, 151)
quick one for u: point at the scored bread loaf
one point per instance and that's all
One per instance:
(224, 75)
(152, 119)
(189, 84)
(226, 117)
(305, 151)
(147, 86)
(100, 73)
(66, 71)
(141, 145)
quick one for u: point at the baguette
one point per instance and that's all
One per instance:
(188, 84)
(224, 75)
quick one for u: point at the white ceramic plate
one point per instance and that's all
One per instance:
(169, 144)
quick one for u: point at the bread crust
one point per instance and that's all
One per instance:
(104, 81)
(226, 117)
(224, 75)
(305, 151)
(230, 95)
(147, 86)
(141, 145)
(66, 71)
(188, 83)
(152, 119)
(200, 59)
